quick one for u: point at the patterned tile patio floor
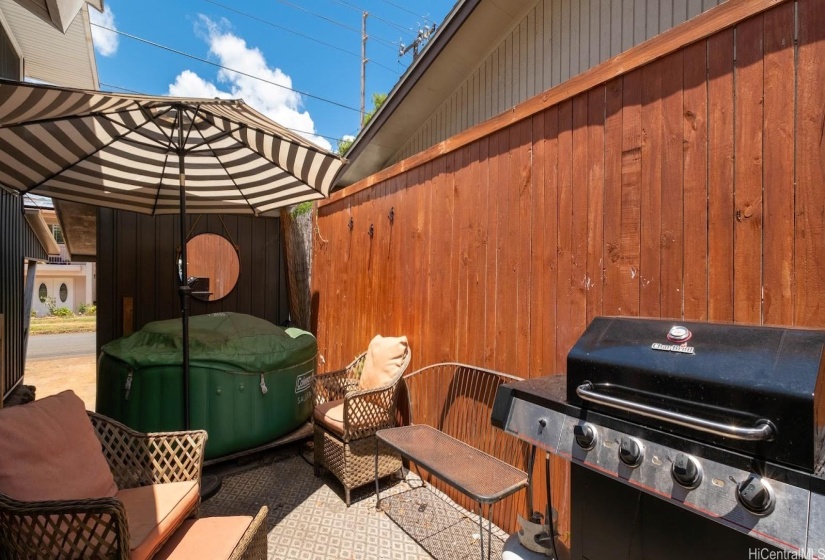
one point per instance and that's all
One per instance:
(308, 519)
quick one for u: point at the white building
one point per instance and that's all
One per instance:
(60, 282)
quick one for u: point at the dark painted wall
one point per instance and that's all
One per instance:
(12, 229)
(9, 60)
(136, 257)
(18, 243)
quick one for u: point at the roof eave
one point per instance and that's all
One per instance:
(452, 23)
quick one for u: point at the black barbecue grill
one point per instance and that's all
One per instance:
(687, 440)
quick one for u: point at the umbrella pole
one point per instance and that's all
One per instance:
(184, 289)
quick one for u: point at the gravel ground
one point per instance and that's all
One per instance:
(53, 375)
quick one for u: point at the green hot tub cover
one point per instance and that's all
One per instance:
(249, 379)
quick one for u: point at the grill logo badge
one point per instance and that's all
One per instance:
(679, 336)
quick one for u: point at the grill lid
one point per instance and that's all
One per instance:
(757, 390)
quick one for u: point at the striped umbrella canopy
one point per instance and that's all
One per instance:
(156, 155)
(123, 152)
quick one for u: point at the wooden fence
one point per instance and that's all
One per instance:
(684, 179)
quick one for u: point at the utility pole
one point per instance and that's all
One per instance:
(363, 64)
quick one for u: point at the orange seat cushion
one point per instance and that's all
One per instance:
(331, 416)
(49, 450)
(154, 512)
(384, 358)
(209, 538)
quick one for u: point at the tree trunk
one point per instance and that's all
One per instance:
(296, 229)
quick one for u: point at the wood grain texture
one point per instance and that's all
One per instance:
(720, 177)
(747, 256)
(650, 199)
(777, 259)
(494, 243)
(695, 167)
(809, 238)
(672, 188)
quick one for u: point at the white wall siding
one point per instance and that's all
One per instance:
(554, 41)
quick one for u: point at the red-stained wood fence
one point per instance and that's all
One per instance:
(683, 179)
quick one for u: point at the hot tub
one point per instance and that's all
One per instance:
(250, 381)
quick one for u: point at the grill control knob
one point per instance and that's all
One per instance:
(630, 451)
(585, 435)
(686, 471)
(756, 495)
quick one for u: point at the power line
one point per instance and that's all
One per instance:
(375, 17)
(275, 25)
(127, 90)
(385, 42)
(205, 61)
(403, 9)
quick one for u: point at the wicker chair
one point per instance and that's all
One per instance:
(97, 528)
(350, 455)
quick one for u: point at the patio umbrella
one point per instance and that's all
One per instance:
(156, 155)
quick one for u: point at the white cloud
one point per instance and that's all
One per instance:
(281, 105)
(105, 41)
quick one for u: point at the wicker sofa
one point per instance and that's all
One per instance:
(352, 404)
(79, 485)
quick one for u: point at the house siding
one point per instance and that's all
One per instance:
(554, 41)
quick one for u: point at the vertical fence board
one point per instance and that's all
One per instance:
(695, 242)
(631, 195)
(539, 254)
(565, 305)
(613, 255)
(720, 176)
(747, 255)
(809, 236)
(672, 188)
(653, 145)
(777, 258)
(578, 278)
(551, 233)
(520, 182)
(594, 283)
(494, 162)
(506, 259)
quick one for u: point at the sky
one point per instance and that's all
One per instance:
(312, 46)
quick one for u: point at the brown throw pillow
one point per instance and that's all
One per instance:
(49, 451)
(384, 357)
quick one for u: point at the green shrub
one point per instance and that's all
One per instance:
(86, 309)
(62, 312)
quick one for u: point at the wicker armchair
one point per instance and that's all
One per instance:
(349, 454)
(97, 528)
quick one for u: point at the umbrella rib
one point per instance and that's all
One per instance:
(160, 182)
(87, 156)
(149, 117)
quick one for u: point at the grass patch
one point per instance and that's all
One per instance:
(63, 325)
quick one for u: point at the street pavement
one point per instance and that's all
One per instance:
(61, 345)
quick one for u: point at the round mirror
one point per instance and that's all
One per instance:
(212, 265)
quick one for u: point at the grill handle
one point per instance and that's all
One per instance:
(762, 431)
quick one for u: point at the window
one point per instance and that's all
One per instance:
(57, 232)
(43, 293)
(64, 293)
